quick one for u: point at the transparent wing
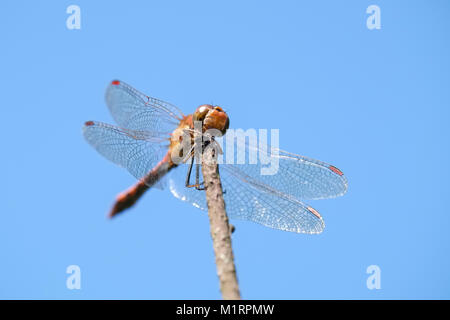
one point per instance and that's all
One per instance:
(274, 199)
(137, 151)
(134, 110)
(301, 177)
(176, 184)
(251, 200)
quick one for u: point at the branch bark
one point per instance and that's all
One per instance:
(220, 228)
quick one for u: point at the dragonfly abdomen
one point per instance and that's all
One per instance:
(129, 197)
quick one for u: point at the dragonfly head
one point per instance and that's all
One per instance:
(212, 117)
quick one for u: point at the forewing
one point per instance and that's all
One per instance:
(298, 176)
(134, 110)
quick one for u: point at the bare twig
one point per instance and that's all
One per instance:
(220, 229)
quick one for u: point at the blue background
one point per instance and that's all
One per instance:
(375, 103)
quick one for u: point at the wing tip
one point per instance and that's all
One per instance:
(342, 176)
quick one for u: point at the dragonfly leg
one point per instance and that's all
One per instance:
(198, 185)
(188, 155)
(188, 176)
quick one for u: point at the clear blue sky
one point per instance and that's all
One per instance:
(375, 103)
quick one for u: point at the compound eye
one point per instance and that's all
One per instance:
(201, 112)
(218, 109)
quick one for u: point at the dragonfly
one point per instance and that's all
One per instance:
(150, 131)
